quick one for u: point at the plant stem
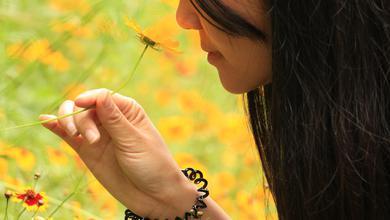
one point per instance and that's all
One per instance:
(86, 73)
(85, 109)
(132, 72)
(47, 120)
(35, 213)
(35, 185)
(20, 214)
(6, 210)
(60, 205)
(66, 198)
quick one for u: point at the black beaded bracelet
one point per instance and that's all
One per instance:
(194, 213)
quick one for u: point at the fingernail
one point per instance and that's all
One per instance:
(91, 136)
(83, 95)
(47, 116)
(71, 129)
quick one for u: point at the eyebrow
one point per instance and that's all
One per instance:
(227, 20)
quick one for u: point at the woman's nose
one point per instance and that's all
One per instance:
(186, 16)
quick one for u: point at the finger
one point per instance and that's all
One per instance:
(113, 120)
(90, 97)
(86, 123)
(54, 127)
(67, 123)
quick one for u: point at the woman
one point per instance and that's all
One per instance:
(315, 75)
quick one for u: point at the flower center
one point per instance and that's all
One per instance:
(148, 41)
(30, 194)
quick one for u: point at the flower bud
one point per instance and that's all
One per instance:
(37, 176)
(40, 202)
(8, 194)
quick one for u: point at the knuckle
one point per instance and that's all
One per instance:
(103, 91)
(134, 104)
(137, 112)
(115, 117)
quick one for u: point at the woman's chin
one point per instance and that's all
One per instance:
(232, 86)
(238, 86)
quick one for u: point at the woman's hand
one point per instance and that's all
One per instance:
(119, 144)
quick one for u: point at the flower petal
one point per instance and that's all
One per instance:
(133, 25)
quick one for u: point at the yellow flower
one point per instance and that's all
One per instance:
(74, 27)
(251, 158)
(30, 53)
(39, 50)
(73, 90)
(109, 207)
(56, 60)
(57, 156)
(14, 182)
(81, 6)
(108, 27)
(3, 168)
(163, 97)
(153, 39)
(16, 50)
(222, 184)
(191, 101)
(176, 128)
(24, 158)
(234, 131)
(229, 159)
(187, 160)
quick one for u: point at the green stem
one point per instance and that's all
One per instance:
(35, 184)
(35, 213)
(132, 72)
(46, 121)
(6, 210)
(20, 214)
(66, 198)
(85, 109)
(84, 76)
(60, 205)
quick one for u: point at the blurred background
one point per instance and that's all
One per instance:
(52, 50)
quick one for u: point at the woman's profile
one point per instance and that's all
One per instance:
(316, 79)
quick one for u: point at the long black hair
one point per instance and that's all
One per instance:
(322, 127)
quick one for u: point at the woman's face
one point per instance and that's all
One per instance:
(243, 64)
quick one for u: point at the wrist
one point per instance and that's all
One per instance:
(177, 199)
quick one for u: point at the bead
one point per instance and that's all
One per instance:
(197, 177)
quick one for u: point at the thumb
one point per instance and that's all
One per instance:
(113, 120)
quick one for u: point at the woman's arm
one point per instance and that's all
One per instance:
(182, 197)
